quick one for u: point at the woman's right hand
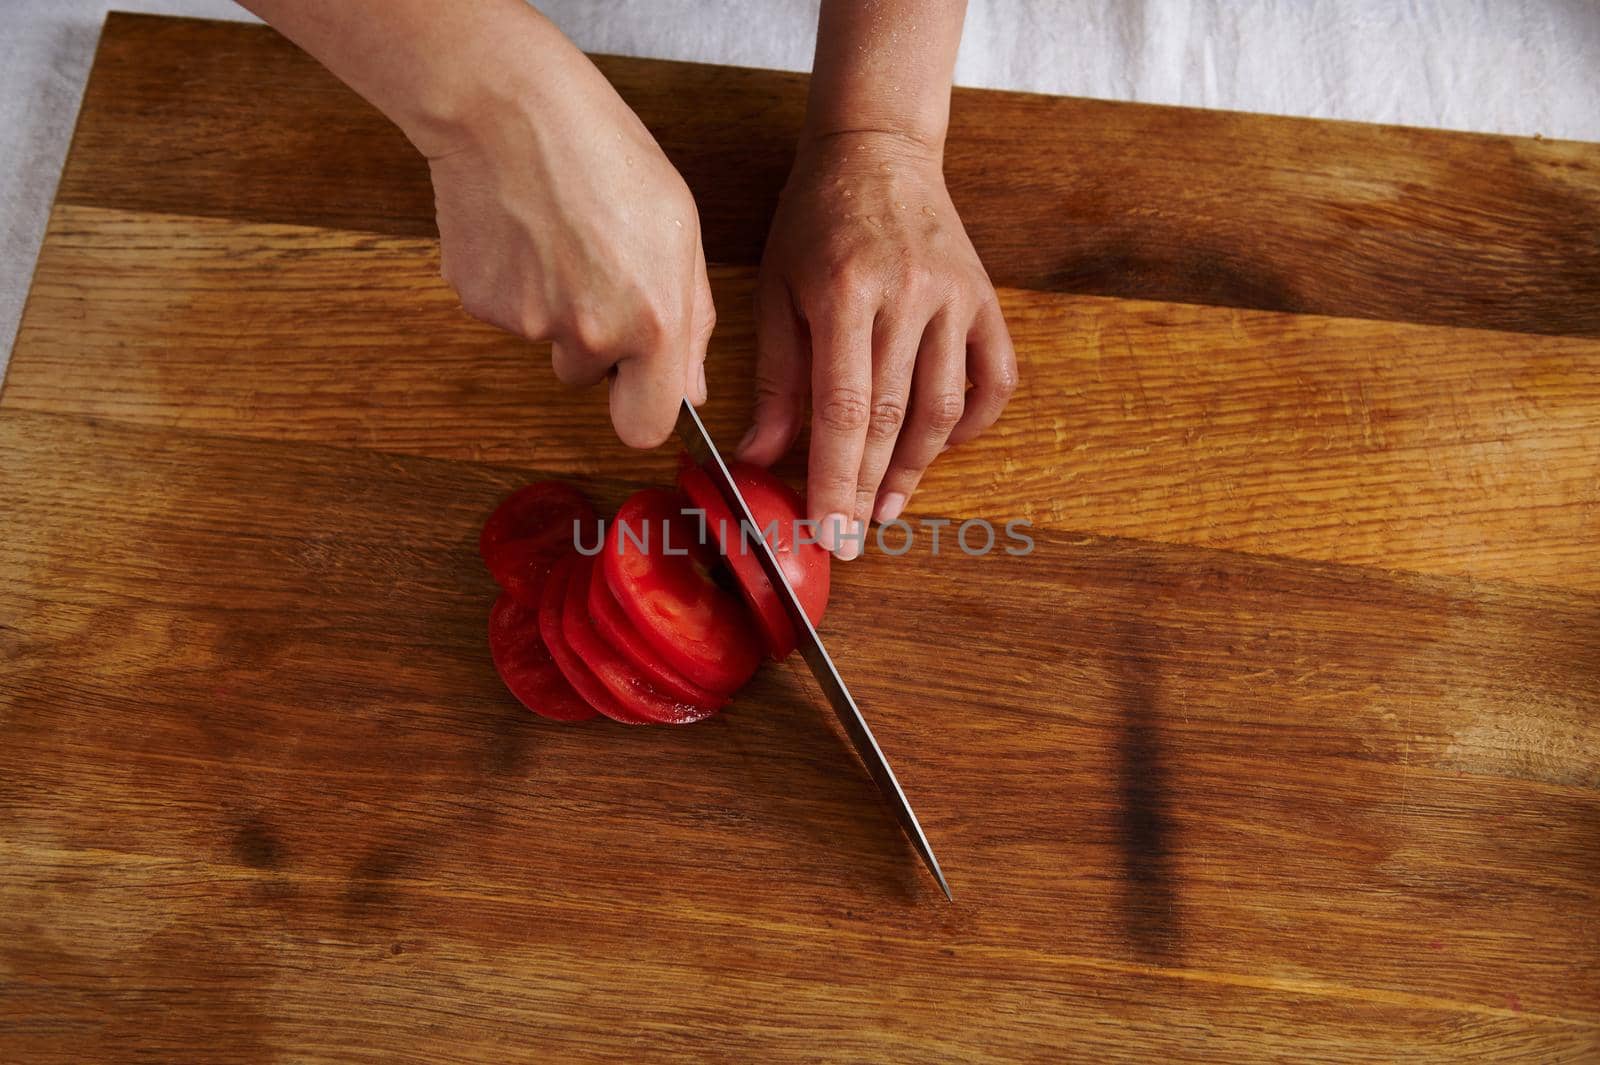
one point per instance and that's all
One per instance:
(560, 219)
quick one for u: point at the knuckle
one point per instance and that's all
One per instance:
(652, 326)
(1005, 381)
(587, 329)
(850, 282)
(918, 278)
(842, 411)
(884, 423)
(942, 410)
(705, 325)
(533, 324)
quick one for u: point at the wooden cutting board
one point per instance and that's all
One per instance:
(1282, 745)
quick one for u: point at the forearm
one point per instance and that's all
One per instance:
(429, 66)
(885, 66)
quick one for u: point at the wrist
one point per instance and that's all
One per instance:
(459, 96)
(908, 143)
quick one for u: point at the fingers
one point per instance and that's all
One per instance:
(936, 407)
(781, 385)
(841, 384)
(992, 366)
(665, 362)
(646, 394)
(703, 319)
(895, 345)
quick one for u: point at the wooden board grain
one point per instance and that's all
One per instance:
(1065, 194)
(1280, 746)
(1424, 448)
(331, 761)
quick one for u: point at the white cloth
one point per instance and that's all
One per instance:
(1507, 66)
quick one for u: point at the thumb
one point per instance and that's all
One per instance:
(702, 320)
(782, 353)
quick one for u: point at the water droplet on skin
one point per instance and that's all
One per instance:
(900, 206)
(929, 211)
(678, 222)
(848, 194)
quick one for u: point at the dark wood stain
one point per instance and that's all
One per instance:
(1146, 831)
(1072, 194)
(255, 843)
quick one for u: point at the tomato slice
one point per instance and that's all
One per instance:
(631, 688)
(529, 532)
(613, 626)
(777, 509)
(525, 665)
(660, 574)
(552, 605)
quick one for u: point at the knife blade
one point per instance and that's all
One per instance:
(692, 432)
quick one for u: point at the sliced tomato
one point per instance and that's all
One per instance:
(525, 665)
(619, 675)
(529, 531)
(552, 604)
(613, 626)
(777, 509)
(660, 573)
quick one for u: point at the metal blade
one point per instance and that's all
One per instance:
(692, 431)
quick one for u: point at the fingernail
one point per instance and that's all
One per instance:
(850, 548)
(889, 507)
(702, 382)
(749, 438)
(831, 535)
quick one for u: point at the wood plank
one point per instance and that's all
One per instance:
(1061, 194)
(257, 780)
(1442, 450)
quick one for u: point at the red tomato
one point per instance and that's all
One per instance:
(615, 628)
(661, 576)
(619, 675)
(552, 604)
(525, 665)
(772, 503)
(529, 532)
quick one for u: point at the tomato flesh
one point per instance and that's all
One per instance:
(613, 626)
(525, 666)
(552, 606)
(529, 532)
(776, 509)
(660, 574)
(619, 675)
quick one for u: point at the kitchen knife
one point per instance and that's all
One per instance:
(692, 431)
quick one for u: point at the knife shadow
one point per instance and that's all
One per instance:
(811, 794)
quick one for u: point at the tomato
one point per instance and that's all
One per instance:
(613, 669)
(529, 532)
(661, 576)
(776, 509)
(552, 606)
(525, 665)
(613, 626)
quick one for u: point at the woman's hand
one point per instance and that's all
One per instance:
(559, 217)
(873, 303)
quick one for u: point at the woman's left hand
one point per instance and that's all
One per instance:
(872, 301)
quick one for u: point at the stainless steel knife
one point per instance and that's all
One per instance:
(692, 431)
